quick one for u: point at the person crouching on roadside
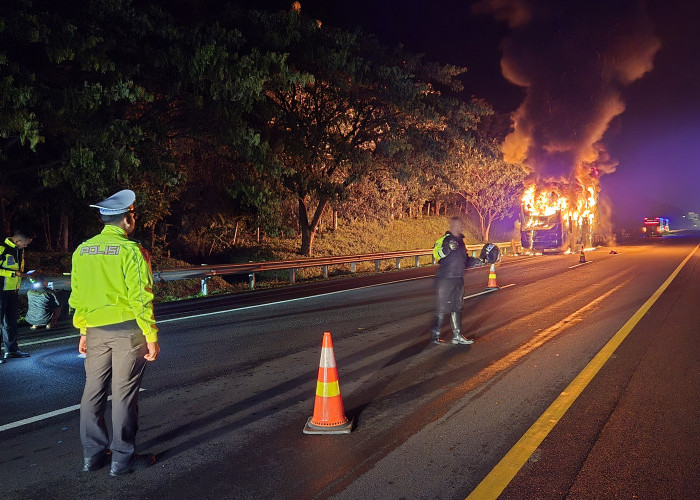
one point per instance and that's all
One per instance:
(43, 308)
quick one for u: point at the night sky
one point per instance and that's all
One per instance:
(623, 73)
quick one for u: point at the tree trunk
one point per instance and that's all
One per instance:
(4, 215)
(46, 216)
(308, 227)
(59, 234)
(64, 233)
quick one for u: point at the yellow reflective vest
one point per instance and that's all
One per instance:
(11, 261)
(112, 282)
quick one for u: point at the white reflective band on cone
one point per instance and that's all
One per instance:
(327, 358)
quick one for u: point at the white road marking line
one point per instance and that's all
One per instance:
(55, 339)
(236, 309)
(581, 264)
(44, 416)
(488, 291)
(287, 300)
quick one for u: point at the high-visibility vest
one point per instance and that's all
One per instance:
(112, 282)
(438, 252)
(11, 261)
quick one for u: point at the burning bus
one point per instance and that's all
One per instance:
(558, 217)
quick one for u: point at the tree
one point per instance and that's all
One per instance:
(338, 103)
(488, 183)
(66, 131)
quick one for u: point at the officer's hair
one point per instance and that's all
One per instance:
(23, 233)
(113, 219)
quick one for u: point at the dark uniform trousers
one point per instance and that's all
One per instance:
(114, 352)
(9, 312)
(450, 295)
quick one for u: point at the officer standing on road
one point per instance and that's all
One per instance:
(11, 272)
(451, 254)
(112, 295)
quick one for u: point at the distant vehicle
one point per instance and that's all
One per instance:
(652, 228)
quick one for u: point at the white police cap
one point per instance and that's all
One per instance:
(116, 204)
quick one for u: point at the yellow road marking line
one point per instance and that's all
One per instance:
(504, 472)
(538, 340)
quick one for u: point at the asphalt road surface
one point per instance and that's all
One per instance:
(582, 383)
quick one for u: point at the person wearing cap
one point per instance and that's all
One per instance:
(11, 273)
(112, 294)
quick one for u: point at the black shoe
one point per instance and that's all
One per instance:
(97, 462)
(16, 354)
(136, 463)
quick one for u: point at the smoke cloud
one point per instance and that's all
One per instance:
(574, 58)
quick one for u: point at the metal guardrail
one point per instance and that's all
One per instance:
(206, 272)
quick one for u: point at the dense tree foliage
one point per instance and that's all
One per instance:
(234, 120)
(487, 183)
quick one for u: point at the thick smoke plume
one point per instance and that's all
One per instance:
(573, 57)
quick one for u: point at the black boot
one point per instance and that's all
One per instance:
(456, 323)
(435, 332)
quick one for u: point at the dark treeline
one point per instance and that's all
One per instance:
(236, 120)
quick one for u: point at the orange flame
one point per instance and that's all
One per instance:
(576, 200)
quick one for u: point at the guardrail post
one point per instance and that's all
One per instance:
(353, 267)
(325, 272)
(398, 262)
(417, 261)
(377, 263)
(251, 280)
(292, 275)
(204, 284)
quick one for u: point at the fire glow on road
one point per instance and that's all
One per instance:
(504, 472)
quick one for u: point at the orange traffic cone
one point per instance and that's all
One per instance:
(492, 285)
(582, 258)
(329, 416)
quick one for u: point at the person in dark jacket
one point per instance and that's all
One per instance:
(451, 254)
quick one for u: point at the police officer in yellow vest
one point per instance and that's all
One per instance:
(111, 283)
(11, 272)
